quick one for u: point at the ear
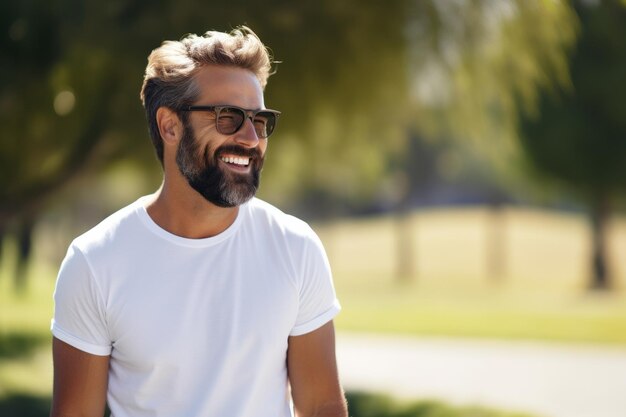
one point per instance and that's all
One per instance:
(170, 126)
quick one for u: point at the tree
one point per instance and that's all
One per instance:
(474, 65)
(59, 98)
(578, 135)
(72, 70)
(354, 78)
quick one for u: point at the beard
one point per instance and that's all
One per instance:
(218, 186)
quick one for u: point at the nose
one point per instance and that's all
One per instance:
(246, 136)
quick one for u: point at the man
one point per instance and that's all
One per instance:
(199, 300)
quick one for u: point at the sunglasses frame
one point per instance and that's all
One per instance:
(248, 114)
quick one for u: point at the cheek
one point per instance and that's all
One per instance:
(209, 147)
(262, 146)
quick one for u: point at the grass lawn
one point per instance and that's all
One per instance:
(537, 292)
(593, 319)
(25, 352)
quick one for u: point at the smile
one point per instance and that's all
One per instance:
(236, 160)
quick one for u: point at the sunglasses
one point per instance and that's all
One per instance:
(229, 119)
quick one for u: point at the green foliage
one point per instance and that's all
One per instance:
(69, 95)
(579, 135)
(352, 80)
(20, 344)
(24, 406)
(362, 404)
(498, 59)
(359, 82)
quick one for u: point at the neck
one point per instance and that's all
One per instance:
(184, 212)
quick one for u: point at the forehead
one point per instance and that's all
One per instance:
(229, 85)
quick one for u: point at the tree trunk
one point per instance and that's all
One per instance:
(418, 170)
(405, 247)
(24, 249)
(2, 235)
(599, 217)
(495, 244)
(405, 250)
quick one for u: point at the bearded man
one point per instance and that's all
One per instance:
(200, 299)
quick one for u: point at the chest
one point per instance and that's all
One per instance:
(203, 304)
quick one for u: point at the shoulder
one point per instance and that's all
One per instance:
(288, 238)
(265, 215)
(289, 233)
(113, 229)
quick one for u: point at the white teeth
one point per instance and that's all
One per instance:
(237, 161)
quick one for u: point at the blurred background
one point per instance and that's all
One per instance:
(464, 162)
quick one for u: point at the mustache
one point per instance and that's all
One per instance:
(238, 150)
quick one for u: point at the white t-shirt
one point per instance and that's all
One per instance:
(194, 327)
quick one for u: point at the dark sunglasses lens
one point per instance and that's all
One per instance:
(229, 120)
(264, 123)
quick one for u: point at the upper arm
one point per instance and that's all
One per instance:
(80, 382)
(313, 375)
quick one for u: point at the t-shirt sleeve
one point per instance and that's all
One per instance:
(79, 308)
(318, 301)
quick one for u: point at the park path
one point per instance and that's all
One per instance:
(548, 380)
